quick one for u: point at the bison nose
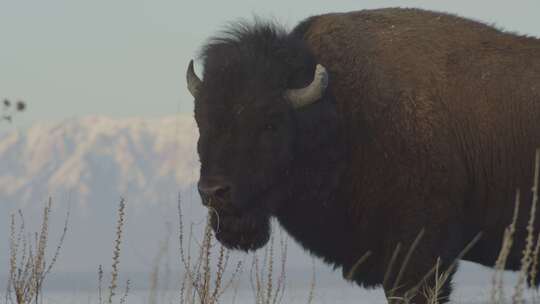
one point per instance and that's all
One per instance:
(219, 191)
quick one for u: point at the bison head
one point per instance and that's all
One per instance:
(255, 81)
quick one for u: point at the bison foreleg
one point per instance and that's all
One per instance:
(420, 265)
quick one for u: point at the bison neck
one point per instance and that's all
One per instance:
(314, 217)
(317, 213)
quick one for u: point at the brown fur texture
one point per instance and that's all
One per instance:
(430, 121)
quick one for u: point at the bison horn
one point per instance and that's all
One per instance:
(193, 81)
(313, 92)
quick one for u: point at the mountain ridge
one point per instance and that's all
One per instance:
(83, 155)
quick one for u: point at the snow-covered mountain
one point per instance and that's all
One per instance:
(96, 156)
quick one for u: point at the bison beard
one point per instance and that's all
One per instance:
(245, 231)
(244, 228)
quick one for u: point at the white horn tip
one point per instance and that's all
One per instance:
(313, 92)
(193, 81)
(322, 75)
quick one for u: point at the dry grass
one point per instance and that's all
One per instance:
(497, 290)
(199, 285)
(204, 281)
(163, 250)
(357, 265)
(116, 251)
(313, 283)
(28, 264)
(100, 284)
(268, 289)
(115, 268)
(528, 254)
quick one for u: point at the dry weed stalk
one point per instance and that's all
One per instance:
(406, 261)
(100, 283)
(354, 269)
(197, 285)
(534, 270)
(497, 292)
(390, 267)
(311, 295)
(116, 251)
(409, 294)
(280, 290)
(28, 266)
(123, 299)
(527, 256)
(163, 250)
(534, 266)
(433, 294)
(430, 292)
(262, 274)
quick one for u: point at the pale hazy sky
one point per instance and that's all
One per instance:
(128, 57)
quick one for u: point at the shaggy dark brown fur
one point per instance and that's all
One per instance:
(430, 121)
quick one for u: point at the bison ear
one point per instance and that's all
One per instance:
(193, 81)
(313, 92)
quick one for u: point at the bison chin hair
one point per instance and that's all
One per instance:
(241, 232)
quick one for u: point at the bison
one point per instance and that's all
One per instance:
(357, 131)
